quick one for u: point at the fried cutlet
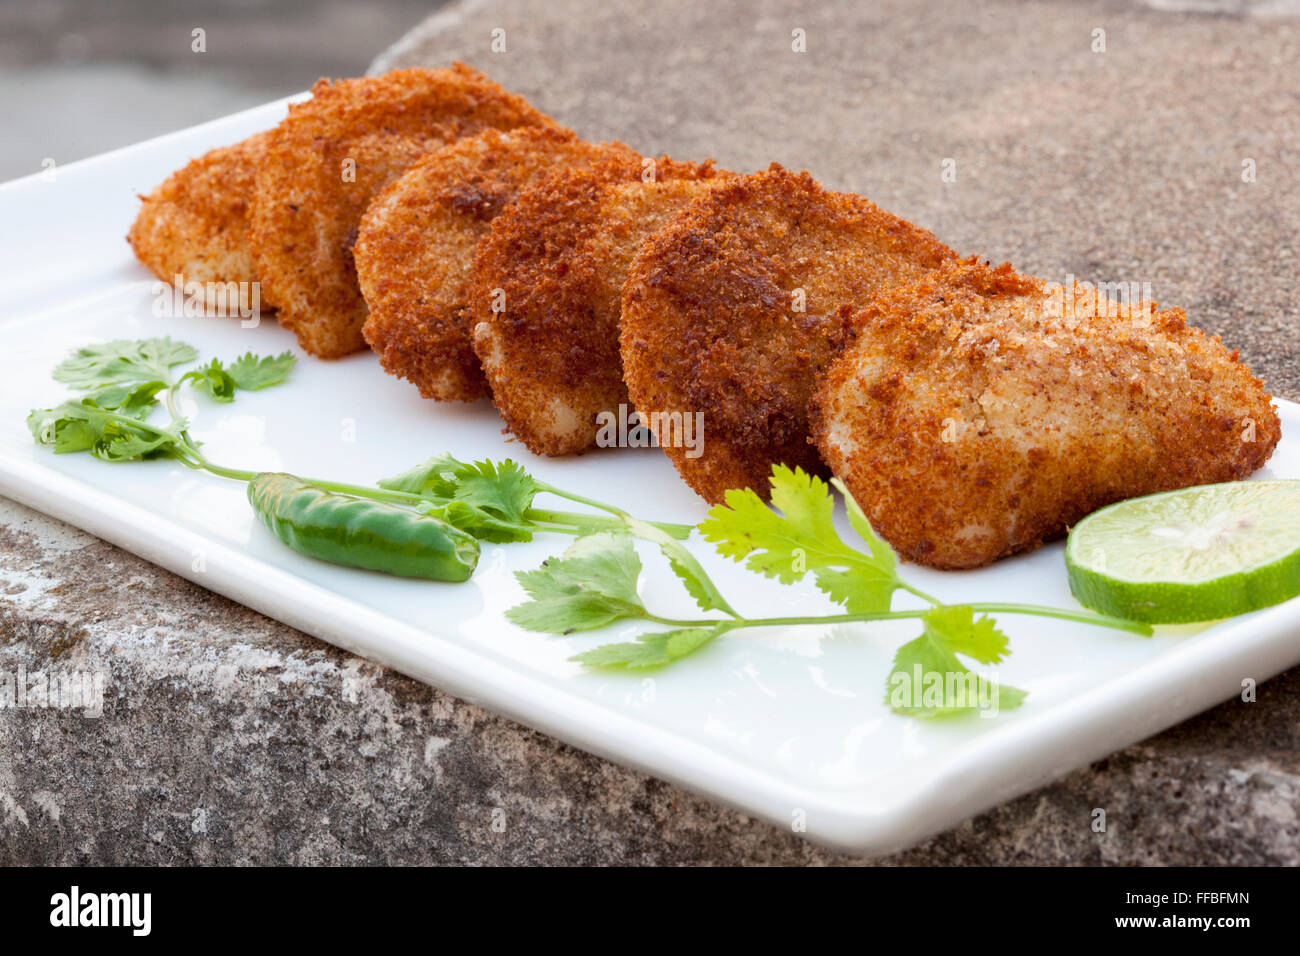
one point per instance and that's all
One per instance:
(546, 287)
(417, 241)
(979, 412)
(327, 161)
(195, 224)
(733, 311)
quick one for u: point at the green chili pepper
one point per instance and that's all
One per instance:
(361, 533)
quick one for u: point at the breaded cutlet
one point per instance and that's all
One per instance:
(734, 310)
(416, 246)
(325, 163)
(195, 224)
(979, 412)
(546, 287)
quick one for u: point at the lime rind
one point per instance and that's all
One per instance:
(1197, 554)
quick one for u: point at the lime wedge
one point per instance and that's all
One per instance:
(1198, 554)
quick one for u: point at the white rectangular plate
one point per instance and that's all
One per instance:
(788, 725)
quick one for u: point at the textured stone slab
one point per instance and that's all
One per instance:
(226, 737)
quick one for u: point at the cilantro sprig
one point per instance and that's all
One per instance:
(593, 586)
(125, 381)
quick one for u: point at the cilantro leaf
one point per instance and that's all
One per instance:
(248, 372)
(801, 537)
(858, 592)
(434, 477)
(214, 380)
(135, 401)
(253, 373)
(928, 679)
(487, 499)
(479, 522)
(106, 434)
(64, 429)
(122, 360)
(120, 443)
(593, 584)
(956, 624)
(882, 554)
(697, 581)
(505, 490)
(649, 650)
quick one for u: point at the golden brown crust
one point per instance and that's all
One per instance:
(324, 164)
(195, 224)
(548, 340)
(417, 241)
(711, 319)
(979, 412)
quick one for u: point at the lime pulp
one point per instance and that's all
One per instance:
(1197, 554)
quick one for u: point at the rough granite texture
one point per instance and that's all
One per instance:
(227, 737)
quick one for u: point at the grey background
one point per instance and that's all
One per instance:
(80, 77)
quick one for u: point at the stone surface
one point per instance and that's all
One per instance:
(226, 737)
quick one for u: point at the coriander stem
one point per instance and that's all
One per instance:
(918, 592)
(558, 522)
(583, 523)
(580, 499)
(169, 399)
(579, 519)
(686, 561)
(374, 494)
(802, 621)
(679, 531)
(1083, 617)
(559, 529)
(340, 487)
(726, 624)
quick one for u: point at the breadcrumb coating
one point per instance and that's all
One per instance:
(328, 160)
(417, 242)
(733, 310)
(546, 288)
(195, 224)
(979, 413)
